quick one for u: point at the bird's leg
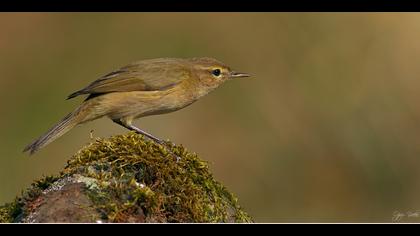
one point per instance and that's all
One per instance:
(139, 131)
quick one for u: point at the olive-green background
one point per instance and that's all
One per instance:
(327, 129)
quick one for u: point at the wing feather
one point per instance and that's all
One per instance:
(147, 75)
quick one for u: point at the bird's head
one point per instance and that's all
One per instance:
(212, 72)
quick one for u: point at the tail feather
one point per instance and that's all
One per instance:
(75, 94)
(62, 127)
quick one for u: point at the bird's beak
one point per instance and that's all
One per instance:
(234, 74)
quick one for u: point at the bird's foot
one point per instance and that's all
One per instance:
(167, 145)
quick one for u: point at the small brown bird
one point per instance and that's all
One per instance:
(143, 88)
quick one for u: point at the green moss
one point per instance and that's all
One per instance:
(8, 212)
(128, 177)
(14, 212)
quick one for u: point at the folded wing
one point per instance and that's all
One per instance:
(147, 75)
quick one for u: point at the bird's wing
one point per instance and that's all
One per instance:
(149, 75)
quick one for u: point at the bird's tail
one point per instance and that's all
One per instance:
(68, 122)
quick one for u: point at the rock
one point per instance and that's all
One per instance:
(127, 179)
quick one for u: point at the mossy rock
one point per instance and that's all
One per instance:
(127, 179)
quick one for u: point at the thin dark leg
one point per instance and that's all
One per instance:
(134, 128)
(139, 131)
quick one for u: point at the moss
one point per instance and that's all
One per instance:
(130, 179)
(14, 212)
(9, 212)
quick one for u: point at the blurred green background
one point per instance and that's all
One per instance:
(327, 130)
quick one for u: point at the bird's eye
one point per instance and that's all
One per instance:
(216, 72)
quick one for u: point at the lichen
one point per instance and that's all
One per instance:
(131, 179)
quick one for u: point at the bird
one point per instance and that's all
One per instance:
(142, 88)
